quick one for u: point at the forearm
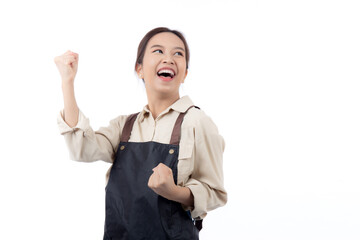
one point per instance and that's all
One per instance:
(182, 195)
(71, 110)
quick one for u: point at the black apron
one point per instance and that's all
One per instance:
(133, 210)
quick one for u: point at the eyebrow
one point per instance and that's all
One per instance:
(163, 47)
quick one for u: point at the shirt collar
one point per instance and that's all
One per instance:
(181, 105)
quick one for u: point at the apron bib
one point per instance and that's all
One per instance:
(133, 210)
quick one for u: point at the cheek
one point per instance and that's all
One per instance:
(183, 70)
(150, 66)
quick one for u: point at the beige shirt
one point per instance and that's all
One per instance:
(200, 165)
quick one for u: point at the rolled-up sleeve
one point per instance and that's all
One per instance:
(207, 179)
(86, 145)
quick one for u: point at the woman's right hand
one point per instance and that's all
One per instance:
(67, 65)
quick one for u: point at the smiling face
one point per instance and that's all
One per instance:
(164, 64)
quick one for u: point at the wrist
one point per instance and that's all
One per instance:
(175, 193)
(67, 82)
(66, 86)
(182, 195)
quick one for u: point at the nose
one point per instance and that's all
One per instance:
(168, 59)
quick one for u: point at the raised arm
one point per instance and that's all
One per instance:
(83, 142)
(67, 65)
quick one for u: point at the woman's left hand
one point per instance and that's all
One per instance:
(162, 181)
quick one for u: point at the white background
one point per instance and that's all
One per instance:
(279, 78)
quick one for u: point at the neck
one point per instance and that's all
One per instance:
(157, 104)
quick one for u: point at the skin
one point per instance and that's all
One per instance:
(67, 65)
(160, 95)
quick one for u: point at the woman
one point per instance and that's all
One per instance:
(167, 159)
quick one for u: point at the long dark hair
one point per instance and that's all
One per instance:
(146, 38)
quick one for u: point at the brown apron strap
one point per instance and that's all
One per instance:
(125, 136)
(198, 224)
(175, 136)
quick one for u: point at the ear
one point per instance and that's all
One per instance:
(185, 76)
(139, 71)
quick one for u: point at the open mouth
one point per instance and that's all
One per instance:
(166, 74)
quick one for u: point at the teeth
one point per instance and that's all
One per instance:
(167, 71)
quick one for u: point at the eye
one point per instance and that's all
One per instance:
(158, 50)
(180, 53)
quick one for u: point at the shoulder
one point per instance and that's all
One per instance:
(117, 123)
(198, 117)
(119, 120)
(199, 121)
(206, 137)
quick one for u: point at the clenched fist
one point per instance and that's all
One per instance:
(67, 65)
(162, 181)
